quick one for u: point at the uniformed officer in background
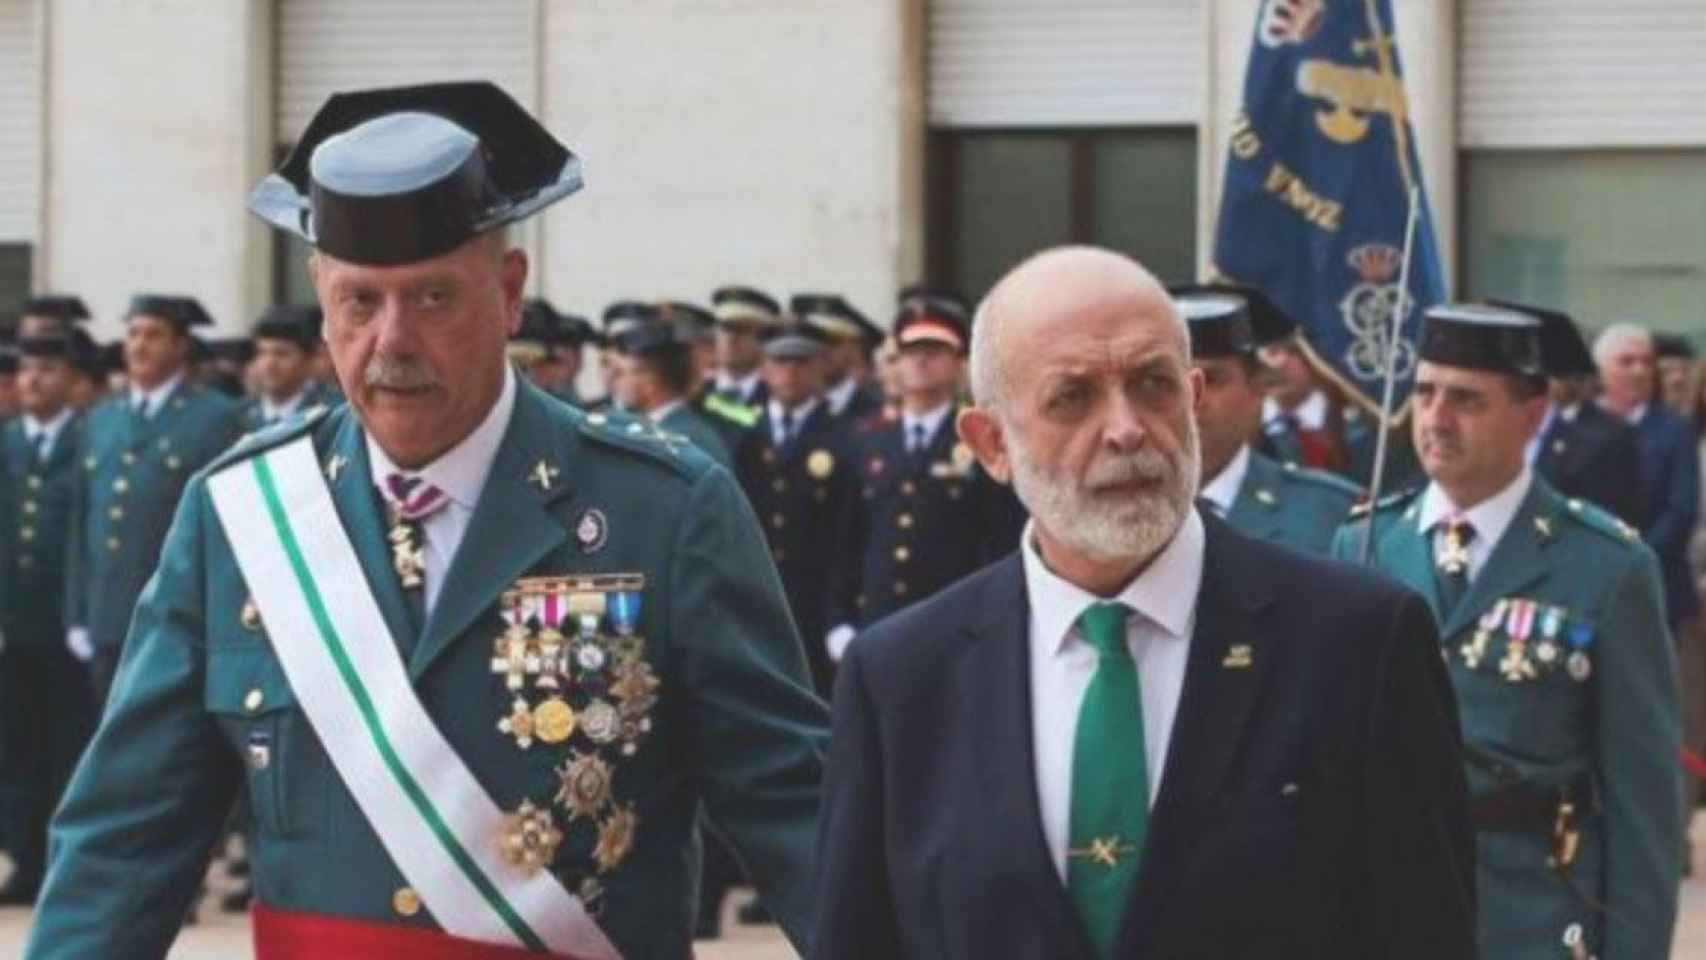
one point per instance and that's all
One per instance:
(47, 708)
(849, 338)
(926, 514)
(794, 466)
(519, 648)
(1553, 624)
(286, 338)
(51, 315)
(1283, 502)
(547, 348)
(744, 315)
(654, 378)
(136, 452)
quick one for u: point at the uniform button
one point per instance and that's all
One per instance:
(128, 459)
(902, 554)
(778, 521)
(29, 508)
(406, 902)
(116, 512)
(900, 588)
(904, 521)
(26, 561)
(253, 699)
(777, 554)
(34, 482)
(112, 544)
(26, 534)
(954, 492)
(907, 488)
(121, 485)
(779, 485)
(859, 601)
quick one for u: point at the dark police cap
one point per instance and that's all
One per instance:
(691, 321)
(744, 305)
(1563, 350)
(794, 339)
(56, 305)
(838, 319)
(933, 299)
(1482, 337)
(47, 347)
(8, 360)
(1671, 345)
(625, 315)
(179, 311)
(931, 321)
(409, 173)
(238, 350)
(539, 323)
(293, 323)
(653, 339)
(1229, 320)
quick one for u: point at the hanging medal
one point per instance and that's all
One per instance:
(1547, 650)
(1519, 625)
(1580, 663)
(1475, 649)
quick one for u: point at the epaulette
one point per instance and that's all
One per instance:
(270, 436)
(736, 413)
(1321, 478)
(1388, 503)
(637, 435)
(1602, 521)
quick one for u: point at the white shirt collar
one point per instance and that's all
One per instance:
(156, 397)
(658, 415)
(272, 411)
(1222, 491)
(460, 471)
(840, 395)
(930, 420)
(1311, 414)
(801, 412)
(1165, 593)
(34, 428)
(1489, 518)
(741, 385)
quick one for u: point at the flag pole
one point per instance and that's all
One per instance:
(1399, 309)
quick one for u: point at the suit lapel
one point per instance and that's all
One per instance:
(995, 709)
(350, 477)
(510, 531)
(1518, 560)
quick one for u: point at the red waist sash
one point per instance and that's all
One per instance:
(314, 936)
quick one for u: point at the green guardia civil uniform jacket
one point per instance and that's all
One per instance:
(1291, 505)
(202, 705)
(685, 421)
(1571, 592)
(133, 470)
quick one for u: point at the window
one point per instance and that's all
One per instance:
(14, 276)
(997, 196)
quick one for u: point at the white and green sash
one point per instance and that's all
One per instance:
(436, 821)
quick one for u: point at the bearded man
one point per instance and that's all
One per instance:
(1143, 734)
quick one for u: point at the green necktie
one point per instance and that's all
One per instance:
(1110, 782)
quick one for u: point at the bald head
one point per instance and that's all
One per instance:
(1057, 290)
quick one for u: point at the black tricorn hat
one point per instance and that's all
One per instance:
(1229, 319)
(181, 312)
(625, 315)
(652, 339)
(403, 174)
(60, 306)
(1563, 350)
(1672, 345)
(291, 322)
(49, 346)
(1482, 337)
(238, 350)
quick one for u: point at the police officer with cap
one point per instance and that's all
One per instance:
(137, 452)
(744, 315)
(1283, 502)
(51, 315)
(479, 657)
(548, 347)
(654, 365)
(1553, 626)
(286, 338)
(849, 337)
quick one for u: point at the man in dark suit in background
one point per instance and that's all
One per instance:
(1144, 734)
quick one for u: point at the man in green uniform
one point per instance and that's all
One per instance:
(654, 365)
(45, 707)
(1282, 502)
(286, 339)
(137, 450)
(480, 658)
(1553, 625)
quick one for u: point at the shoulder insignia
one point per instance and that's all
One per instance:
(1321, 478)
(629, 433)
(1388, 503)
(268, 437)
(1602, 521)
(737, 413)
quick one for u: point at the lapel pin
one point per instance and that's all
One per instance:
(1544, 525)
(334, 466)
(592, 531)
(1239, 657)
(1265, 498)
(545, 475)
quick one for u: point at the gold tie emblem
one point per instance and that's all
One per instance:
(1105, 851)
(408, 558)
(1454, 553)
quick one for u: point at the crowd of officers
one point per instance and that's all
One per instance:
(843, 437)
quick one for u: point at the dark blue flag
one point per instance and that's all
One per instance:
(1317, 185)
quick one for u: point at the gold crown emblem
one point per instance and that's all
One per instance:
(1376, 262)
(1290, 21)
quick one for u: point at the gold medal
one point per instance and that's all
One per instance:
(615, 838)
(963, 458)
(529, 837)
(554, 721)
(583, 785)
(519, 723)
(820, 464)
(635, 685)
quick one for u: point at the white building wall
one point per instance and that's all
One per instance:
(20, 119)
(768, 143)
(159, 123)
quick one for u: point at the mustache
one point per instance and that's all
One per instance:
(1147, 465)
(397, 373)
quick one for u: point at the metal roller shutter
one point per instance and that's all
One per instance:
(20, 120)
(329, 45)
(1582, 73)
(1015, 63)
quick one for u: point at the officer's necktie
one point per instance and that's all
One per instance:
(1110, 781)
(409, 501)
(1451, 561)
(44, 446)
(787, 430)
(915, 439)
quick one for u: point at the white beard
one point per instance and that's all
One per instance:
(1101, 526)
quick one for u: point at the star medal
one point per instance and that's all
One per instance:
(1475, 650)
(615, 838)
(1519, 624)
(529, 837)
(519, 723)
(583, 785)
(514, 656)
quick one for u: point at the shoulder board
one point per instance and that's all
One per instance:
(1321, 478)
(271, 436)
(737, 413)
(1387, 504)
(634, 435)
(1602, 521)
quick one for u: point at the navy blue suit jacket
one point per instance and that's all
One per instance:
(1670, 480)
(1313, 803)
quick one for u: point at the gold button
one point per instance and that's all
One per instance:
(26, 561)
(900, 588)
(406, 902)
(253, 699)
(779, 485)
(34, 482)
(127, 458)
(29, 508)
(121, 485)
(26, 534)
(907, 488)
(116, 512)
(902, 554)
(778, 521)
(904, 521)
(112, 544)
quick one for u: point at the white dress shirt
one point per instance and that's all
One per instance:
(1490, 518)
(156, 397)
(271, 411)
(1164, 601)
(1311, 414)
(1222, 491)
(461, 473)
(797, 417)
(930, 420)
(34, 429)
